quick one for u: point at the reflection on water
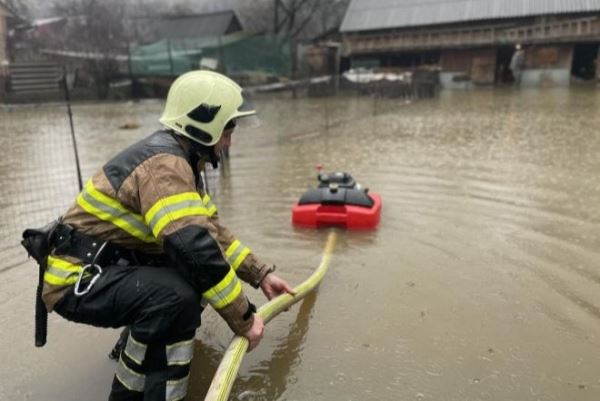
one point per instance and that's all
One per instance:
(268, 378)
(482, 281)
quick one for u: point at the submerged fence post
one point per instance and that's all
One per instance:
(73, 139)
(171, 67)
(222, 64)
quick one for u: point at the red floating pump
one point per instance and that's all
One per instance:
(338, 201)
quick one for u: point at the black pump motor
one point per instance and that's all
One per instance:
(337, 188)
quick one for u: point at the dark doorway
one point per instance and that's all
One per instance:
(345, 64)
(503, 57)
(584, 61)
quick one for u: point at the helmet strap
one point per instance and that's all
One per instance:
(203, 151)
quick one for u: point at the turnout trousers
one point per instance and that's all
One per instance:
(162, 311)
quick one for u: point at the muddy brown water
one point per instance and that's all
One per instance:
(481, 283)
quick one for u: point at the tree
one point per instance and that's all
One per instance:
(292, 16)
(298, 20)
(94, 32)
(306, 18)
(18, 7)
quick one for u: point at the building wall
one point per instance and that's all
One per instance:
(548, 66)
(464, 68)
(545, 65)
(475, 52)
(549, 57)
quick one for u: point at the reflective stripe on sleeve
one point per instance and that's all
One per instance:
(176, 389)
(61, 272)
(131, 380)
(225, 292)
(172, 208)
(180, 353)
(236, 253)
(135, 350)
(210, 206)
(108, 209)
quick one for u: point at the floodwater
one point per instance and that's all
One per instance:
(481, 283)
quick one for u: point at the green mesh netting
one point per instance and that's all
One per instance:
(233, 54)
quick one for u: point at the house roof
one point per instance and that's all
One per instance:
(213, 24)
(364, 15)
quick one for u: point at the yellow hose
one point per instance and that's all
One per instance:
(221, 385)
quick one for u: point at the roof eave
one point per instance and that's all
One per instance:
(450, 23)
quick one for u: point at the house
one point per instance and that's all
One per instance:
(213, 40)
(8, 19)
(181, 42)
(5, 15)
(473, 41)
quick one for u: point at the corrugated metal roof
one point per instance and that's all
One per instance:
(214, 24)
(365, 15)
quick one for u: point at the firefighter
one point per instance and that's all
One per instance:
(143, 245)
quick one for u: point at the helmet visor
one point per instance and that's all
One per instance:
(252, 121)
(246, 114)
(247, 105)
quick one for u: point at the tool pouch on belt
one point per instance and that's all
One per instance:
(37, 243)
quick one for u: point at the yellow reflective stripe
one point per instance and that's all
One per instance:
(61, 272)
(108, 209)
(225, 292)
(234, 245)
(240, 259)
(180, 353)
(164, 202)
(135, 350)
(168, 218)
(63, 264)
(211, 207)
(172, 208)
(51, 276)
(54, 279)
(132, 381)
(176, 389)
(236, 253)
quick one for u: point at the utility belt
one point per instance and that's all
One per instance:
(64, 240)
(96, 255)
(67, 241)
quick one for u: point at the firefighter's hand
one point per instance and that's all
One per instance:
(272, 286)
(255, 334)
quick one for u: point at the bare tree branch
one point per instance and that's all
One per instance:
(94, 32)
(310, 15)
(18, 7)
(283, 6)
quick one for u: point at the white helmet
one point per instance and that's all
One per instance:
(201, 103)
